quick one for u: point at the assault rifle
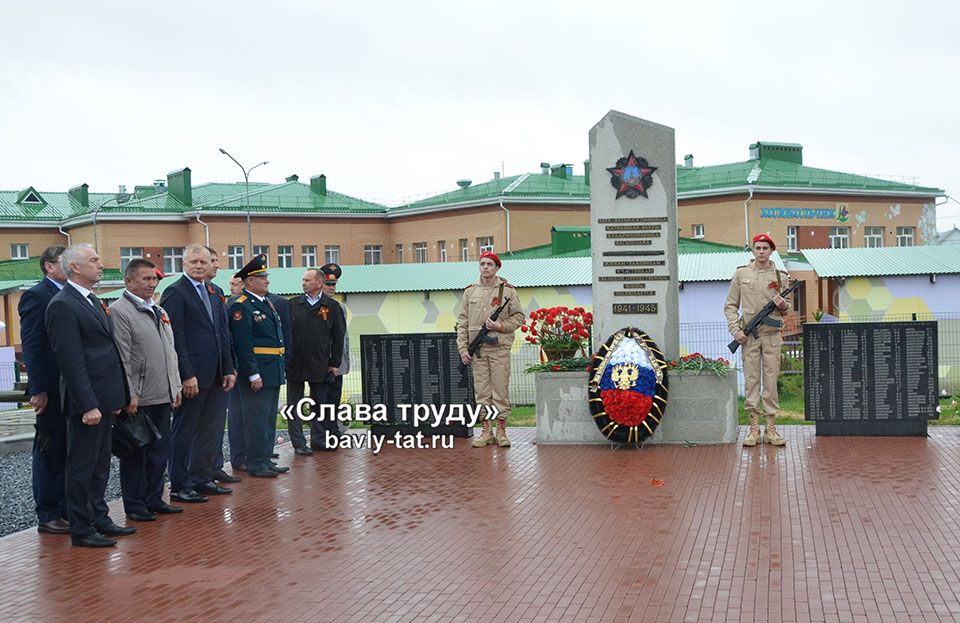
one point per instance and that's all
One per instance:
(763, 317)
(474, 349)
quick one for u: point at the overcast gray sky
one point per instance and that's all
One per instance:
(393, 100)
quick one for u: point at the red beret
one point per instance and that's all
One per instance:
(158, 272)
(767, 239)
(492, 256)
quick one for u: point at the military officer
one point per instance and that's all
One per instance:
(491, 368)
(258, 345)
(752, 287)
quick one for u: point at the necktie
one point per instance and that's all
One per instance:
(206, 300)
(156, 314)
(93, 299)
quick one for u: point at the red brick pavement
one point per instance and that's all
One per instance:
(826, 529)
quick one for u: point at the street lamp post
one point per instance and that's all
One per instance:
(246, 184)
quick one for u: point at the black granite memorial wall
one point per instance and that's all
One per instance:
(414, 368)
(870, 378)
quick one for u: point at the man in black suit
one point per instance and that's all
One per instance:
(93, 388)
(218, 474)
(207, 372)
(318, 328)
(43, 385)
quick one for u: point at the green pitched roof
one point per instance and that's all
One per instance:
(527, 186)
(774, 173)
(885, 261)
(21, 269)
(58, 206)
(289, 197)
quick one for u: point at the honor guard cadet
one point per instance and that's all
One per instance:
(491, 366)
(258, 345)
(752, 287)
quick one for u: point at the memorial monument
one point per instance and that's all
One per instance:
(633, 218)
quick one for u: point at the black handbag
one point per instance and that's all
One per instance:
(132, 432)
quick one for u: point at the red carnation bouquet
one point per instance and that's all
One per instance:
(559, 329)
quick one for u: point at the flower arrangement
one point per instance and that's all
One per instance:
(698, 363)
(559, 330)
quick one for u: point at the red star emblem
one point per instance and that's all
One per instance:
(632, 176)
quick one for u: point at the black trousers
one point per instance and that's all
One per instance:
(87, 472)
(141, 472)
(50, 462)
(320, 393)
(196, 432)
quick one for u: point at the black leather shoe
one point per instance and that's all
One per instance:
(112, 529)
(143, 516)
(222, 476)
(209, 488)
(303, 451)
(187, 495)
(57, 526)
(94, 540)
(276, 469)
(166, 509)
(264, 474)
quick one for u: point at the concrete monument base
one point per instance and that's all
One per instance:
(701, 409)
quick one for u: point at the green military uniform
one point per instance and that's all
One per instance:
(750, 289)
(491, 369)
(258, 345)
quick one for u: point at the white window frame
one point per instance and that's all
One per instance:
(839, 237)
(264, 249)
(698, 230)
(128, 254)
(484, 244)
(308, 255)
(172, 260)
(442, 248)
(792, 237)
(905, 236)
(20, 251)
(331, 254)
(464, 250)
(235, 257)
(399, 254)
(872, 239)
(373, 254)
(285, 256)
(420, 252)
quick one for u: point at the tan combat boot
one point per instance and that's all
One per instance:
(770, 434)
(753, 435)
(486, 436)
(502, 433)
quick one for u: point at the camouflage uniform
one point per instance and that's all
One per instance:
(751, 289)
(491, 369)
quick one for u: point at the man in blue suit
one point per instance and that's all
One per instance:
(93, 388)
(43, 385)
(258, 343)
(207, 372)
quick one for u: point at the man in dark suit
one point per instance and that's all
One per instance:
(318, 328)
(43, 385)
(258, 343)
(218, 474)
(94, 389)
(207, 372)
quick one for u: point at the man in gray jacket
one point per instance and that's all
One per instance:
(144, 338)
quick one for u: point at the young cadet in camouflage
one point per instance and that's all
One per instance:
(752, 287)
(491, 368)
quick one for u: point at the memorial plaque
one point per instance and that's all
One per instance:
(871, 378)
(414, 368)
(634, 308)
